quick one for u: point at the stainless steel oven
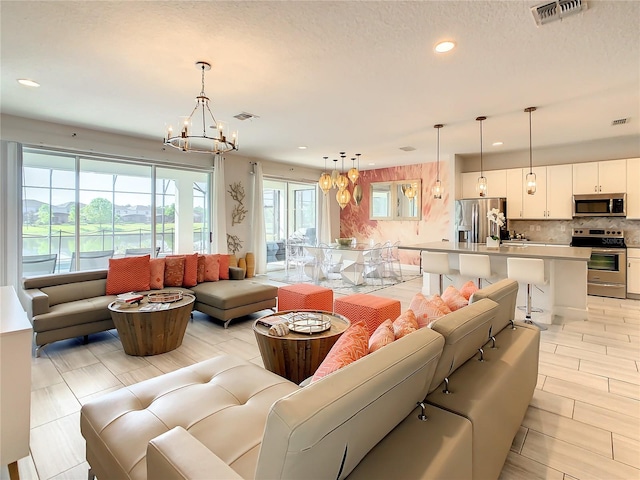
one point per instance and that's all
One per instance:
(607, 267)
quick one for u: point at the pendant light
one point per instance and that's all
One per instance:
(437, 190)
(335, 173)
(357, 189)
(531, 177)
(353, 173)
(342, 182)
(325, 179)
(481, 185)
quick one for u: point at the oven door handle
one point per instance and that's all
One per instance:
(605, 284)
(609, 250)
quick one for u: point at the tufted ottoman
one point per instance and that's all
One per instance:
(373, 310)
(305, 296)
(210, 396)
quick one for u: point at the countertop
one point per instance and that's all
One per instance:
(534, 251)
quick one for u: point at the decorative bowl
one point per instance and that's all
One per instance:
(345, 242)
(165, 297)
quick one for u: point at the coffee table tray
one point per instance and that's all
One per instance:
(165, 297)
(308, 322)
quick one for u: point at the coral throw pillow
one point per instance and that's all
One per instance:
(405, 324)
(224, 267)
(156, 276)
(173, 271)
(454, 299)
(190, 270)
(426, 310)
(201, 268)
(351, 346)
(211, 268)
(382, 336)
(129, 274)
(468, 289)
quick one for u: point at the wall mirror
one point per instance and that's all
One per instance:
(397, 200)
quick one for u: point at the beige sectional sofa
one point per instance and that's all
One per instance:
(75, 304)
(444, 402)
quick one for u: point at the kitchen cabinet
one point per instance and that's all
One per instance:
(600, 177)
(552, 200)
(633, 273)
(633, 188)
(515, 186)
(496, 183)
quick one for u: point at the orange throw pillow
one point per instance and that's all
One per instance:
(426, 310)
(454, 299)
(156, 276)
(224, 266)
(173, 271)
(440, 303)
(468, 289)
(211, 268)
(129, 274)
(351, 346)
(405, 324)
(201, 268)
(382, 336)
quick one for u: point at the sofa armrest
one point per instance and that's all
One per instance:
(177, 455)
(37, 302)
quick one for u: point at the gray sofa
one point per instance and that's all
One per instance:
(383, 416)
(75, 304)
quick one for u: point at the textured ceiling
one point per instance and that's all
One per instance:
(355, 76)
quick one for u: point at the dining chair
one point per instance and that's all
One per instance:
(391, 258)
(97, 260)
(374, 264)
(133, 252)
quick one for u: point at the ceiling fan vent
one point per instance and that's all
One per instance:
(620, 121)
(556, 10)
(407, 149)
(245, 116)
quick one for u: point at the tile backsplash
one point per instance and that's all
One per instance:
(559, 231)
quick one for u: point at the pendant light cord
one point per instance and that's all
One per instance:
(530, 150)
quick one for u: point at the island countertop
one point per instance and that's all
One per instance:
(527, 251)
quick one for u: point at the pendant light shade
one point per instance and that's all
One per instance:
(357, 194)
(343, 197)
(342, 182)
(325, 179)
(531, 177)
(335, 173)
(437, 189)
(481, 185)
(353, 173)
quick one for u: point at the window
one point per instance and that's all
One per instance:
(78, 212)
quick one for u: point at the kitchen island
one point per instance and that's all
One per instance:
(562, 298)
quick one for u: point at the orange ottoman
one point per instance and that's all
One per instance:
(369, 308)
(305, 296)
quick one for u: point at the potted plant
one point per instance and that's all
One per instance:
(496, 222)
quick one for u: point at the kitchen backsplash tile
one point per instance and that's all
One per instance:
(559, 231)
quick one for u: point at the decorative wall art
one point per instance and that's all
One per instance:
(234, 244)
(236, 190)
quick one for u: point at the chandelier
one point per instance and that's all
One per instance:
(339, 180)
(410, 190)
(188, 138)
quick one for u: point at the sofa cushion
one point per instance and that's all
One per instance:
(128, 274)
(201, 268)
(352, 345)
(382, 336)
(224, 266)
(190, 278)
(73, 313)
(405, 324)
(173, 271)
(228, 294)
(156, 273)
(504, 293)
(69, 292)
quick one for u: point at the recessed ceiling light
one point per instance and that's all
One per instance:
(445, 46)
(371, 164)
(28, 83)
(497, 144)
(302, 147)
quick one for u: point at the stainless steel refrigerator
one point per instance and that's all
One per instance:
(472, 224)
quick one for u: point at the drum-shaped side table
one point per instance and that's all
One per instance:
(154, 332)
(297, 356)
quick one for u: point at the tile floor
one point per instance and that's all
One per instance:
(583, 422)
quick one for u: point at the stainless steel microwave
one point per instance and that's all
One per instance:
(600, 205)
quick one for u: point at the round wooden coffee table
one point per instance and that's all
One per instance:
(297, 356)
(152, 332)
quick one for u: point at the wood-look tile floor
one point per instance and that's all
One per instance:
(583, 421)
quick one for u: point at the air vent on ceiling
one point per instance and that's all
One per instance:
(556, 10)
(245, 116)
(407, 149)
(620, 121)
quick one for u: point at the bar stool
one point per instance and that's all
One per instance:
(478, 266)
(531, 272)
(436, 262)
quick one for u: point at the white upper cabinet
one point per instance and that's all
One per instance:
(559, 199)
(515, 183)
(600, 177)
(633, 188)
(496, 183)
